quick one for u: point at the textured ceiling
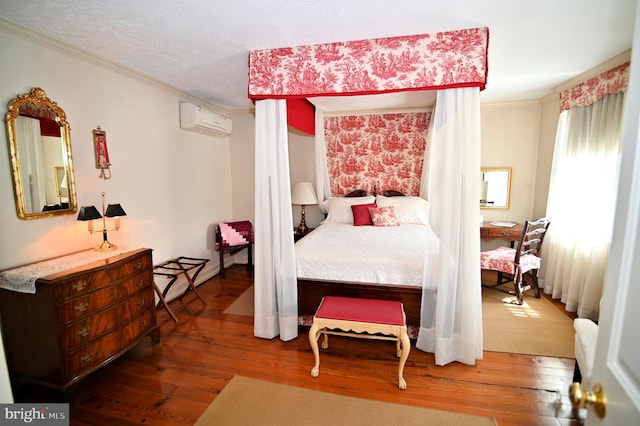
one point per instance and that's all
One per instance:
(201, 46)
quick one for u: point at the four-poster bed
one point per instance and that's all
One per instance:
(454, 64)
(348, 256)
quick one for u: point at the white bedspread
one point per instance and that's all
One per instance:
(367, 254)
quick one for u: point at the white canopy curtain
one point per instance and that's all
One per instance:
(323, 189)
(451, 317)
(451, 311)
(276, 294)
(581, 203)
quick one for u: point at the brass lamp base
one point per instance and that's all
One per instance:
(105, 246)
(302, 229)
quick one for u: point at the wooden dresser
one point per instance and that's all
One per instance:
(79, 320)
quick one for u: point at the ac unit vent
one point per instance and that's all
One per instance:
(196, 118)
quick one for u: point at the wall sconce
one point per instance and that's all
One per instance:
(112, 211)
(303, 194)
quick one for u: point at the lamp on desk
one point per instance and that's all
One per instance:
(303, 195)
(113, 211)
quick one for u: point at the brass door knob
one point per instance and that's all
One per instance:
(580, 398)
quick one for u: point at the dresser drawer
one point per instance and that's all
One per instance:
(78, 307)
(97, 325)
(91, 355)
(85, 283)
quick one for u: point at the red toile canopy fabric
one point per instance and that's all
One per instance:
(418, 62)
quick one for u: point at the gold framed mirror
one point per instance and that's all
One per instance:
(39, 139)
(495, 188)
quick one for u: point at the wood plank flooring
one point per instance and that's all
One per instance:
(174, 382)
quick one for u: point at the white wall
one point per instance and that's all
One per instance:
(174, 184)
(510, 134)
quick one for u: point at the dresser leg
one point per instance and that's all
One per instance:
(155, 336)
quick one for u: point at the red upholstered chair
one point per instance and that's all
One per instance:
(231, 237)
(520, 261)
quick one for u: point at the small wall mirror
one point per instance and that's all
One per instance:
(40, 154)
(495, 188)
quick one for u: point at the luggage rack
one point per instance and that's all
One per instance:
(172, 269)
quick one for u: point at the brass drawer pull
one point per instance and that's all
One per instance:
(142, 323)
(81, 307)
(86, 357)
(141, 302)
(138, 265)
(80, 285)
(84, 331)
(139, 283)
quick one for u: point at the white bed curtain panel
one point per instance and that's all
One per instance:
(276, 298)
(323, 189)
(451, 316)
(581, 204)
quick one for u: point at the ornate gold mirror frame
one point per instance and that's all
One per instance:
(39, 141)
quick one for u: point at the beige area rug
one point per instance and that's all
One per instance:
(246, 401)
(534, 328)
(243, 305)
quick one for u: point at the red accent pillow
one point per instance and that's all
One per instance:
(361, 215)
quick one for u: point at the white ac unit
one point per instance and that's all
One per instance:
(196, 118)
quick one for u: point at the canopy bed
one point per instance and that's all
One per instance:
(452, 63)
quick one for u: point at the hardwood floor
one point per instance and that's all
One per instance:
(174, 382)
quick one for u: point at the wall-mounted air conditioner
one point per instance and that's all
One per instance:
(196, 118)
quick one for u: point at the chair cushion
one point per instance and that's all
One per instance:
(585, 347)
(501, 259)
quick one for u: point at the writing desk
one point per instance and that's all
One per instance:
(490, 232)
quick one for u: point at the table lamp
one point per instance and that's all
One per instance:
(303, 195)
(90, 213)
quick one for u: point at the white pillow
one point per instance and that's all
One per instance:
(408, 209)
(339, 208)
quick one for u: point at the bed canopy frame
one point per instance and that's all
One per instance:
(280, 81)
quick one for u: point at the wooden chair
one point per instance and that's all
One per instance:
(516, 262)
(231, 237)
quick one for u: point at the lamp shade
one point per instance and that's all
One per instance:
(115, 210)
(303, 194)
(88, 213)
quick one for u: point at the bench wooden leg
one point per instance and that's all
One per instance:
(313, 341)
(406, 347)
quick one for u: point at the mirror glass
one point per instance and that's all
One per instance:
(495, 188)
(40, 154)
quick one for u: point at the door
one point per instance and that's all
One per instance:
(617, 361)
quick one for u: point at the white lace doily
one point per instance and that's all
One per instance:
(23, 279)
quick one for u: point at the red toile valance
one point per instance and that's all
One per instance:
(419, 62)
(612, 81)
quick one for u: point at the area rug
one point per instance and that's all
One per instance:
(243, 305)
(535, 328)
(245, 401)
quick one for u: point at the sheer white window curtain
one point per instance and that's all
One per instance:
(32, 155)
(581, 203)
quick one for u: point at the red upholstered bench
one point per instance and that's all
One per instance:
(363, 318)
